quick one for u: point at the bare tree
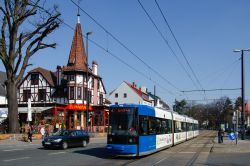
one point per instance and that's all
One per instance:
(24, 27)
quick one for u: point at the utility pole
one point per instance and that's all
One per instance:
(243, 96)
(242, 93)
(155, 99)
(87, 78)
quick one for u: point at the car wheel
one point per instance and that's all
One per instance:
(84, 143)
(64, 145)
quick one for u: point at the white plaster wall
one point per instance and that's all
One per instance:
(132, 96)
(3, 100)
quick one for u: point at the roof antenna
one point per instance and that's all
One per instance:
(78, 13)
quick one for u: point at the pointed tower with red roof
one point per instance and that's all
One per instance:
(76, 72)
(77, 61)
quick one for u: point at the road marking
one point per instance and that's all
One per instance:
(56, 153)
(9, 150)
(16, 159)
(187, 152)
(159, 161)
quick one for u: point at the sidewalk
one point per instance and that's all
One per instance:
(16, 140)
(228, 146)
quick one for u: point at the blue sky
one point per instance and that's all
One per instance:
(207, 32)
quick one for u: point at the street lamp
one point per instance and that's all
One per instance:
(242, 92)
(87, 75)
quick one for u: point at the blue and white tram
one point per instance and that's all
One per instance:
(136, 130)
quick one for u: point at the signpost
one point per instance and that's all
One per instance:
(29, 115)
(235, 122)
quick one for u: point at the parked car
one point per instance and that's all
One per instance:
(66, 138)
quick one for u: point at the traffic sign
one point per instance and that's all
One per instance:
(232, 136)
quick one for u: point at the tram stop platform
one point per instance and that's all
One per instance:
(229, 146)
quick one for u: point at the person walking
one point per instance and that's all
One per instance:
(42, 131)
(46, 132)
(219, 136)
(222, 135)
(30, 133)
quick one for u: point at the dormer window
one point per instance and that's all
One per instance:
(34, 79)
(72, 78)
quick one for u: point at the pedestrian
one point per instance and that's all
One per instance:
(219, 136)
(30, 133)
(222, 135)
(42, 131)
(46, 132)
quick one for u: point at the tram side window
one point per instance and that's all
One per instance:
(190, 127)
(196, 127)
(143, 125)
(166, 126)
(183, 126)
(158, 126)
(152, 125)
(177, 127)
(169, 126)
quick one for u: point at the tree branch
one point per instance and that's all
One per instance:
(20, 54)
(7, 14)
(3, 55)
(29, 36)
(50, 25)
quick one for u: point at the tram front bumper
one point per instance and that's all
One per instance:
(118, 149)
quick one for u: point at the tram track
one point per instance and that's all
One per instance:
(188, 144)
(173, 151)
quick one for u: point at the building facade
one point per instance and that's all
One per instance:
(129, 94)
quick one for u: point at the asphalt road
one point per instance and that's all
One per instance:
(192, 152)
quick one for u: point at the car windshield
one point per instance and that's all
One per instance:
(122, 121)
(61, 133)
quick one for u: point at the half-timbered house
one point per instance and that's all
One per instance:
(64, 96)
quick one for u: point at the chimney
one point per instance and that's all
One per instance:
(144, 89)
(133, 84)
(58, 75)
(94, 67)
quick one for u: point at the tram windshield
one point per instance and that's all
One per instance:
(122, 121)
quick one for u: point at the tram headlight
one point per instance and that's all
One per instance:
(130, 140)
